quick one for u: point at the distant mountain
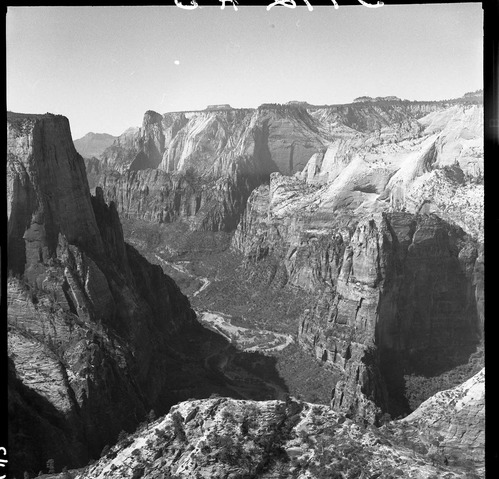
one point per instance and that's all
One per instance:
(93, 144)
(361, 99)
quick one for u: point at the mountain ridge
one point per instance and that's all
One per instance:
(290, 439)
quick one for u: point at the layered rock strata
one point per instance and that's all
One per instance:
(205, 163)
(457, 418)
(97, 335)
(224, 153)
(395, 292)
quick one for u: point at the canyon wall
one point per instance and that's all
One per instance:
(206, 163)
(375, 206)
(396, 293)
(201, 166)
(97, 336)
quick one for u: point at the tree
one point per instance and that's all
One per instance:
(26, 475)
(51, 466)
(151, 417)
(122, 435)
(385, 418)
(105, 450)
(178, 427)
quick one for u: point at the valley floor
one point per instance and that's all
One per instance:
(237, 302)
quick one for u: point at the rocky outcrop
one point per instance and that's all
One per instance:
(456, 419)
(426, 158)
(389, 237)
(395, 292)
(97, 335)
(227, 438)
(47, 192)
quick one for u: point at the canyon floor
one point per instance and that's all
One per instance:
(234, 300)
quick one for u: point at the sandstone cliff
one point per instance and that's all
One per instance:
(396, 293)
(376, 206)
(97, 335)
(386, 227)
(414, 155)
(205, 163)
(457, 417)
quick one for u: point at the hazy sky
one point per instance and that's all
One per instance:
(103, 67)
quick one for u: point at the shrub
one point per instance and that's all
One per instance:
(105, 450)
(178, 427)
(66, 474)
(136, 452)
(151, 417)
(51, 466)
(138, 472)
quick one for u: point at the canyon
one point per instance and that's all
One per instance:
(375, 209)
(97, 336)
(247, 253)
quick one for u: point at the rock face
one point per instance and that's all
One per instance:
(387, 229)
(386, 226)
(377, 206)
(457, 416)
(206, 163)
(396, 292)
(97, 335)
(399, 148)
(227, 438)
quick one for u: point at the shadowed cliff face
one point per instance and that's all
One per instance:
(47, 191)
(396, 293)
(97, 335)
(86, 337)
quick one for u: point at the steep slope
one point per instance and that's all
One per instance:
(430, 160)
(206, 163)
(97, 335)
(395, 293)
(389, 236)
(228, 438)
(384, 223)
(93, 144)
(457, 417)
(398, 147)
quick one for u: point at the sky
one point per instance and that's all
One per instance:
(104, 67)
